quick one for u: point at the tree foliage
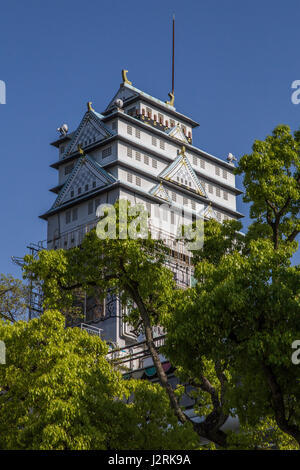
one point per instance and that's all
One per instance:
(230, 335)
(58, 391)
(13, 298)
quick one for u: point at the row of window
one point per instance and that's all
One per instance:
(130, 178)
(163, 212)
(81, 189)
(162, 146)
(138, 136)
(217, 191)
(130, 131)
(138, 157)
(196, 160)
(72, 214)
(218, 172)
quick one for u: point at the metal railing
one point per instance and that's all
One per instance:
(133, 357)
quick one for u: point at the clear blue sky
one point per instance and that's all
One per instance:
(235, 62)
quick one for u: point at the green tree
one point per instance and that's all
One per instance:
(13, 298)
(135, 271)
(244, 312)
(229, 336)
(58, 391)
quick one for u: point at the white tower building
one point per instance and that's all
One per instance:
(141, 149)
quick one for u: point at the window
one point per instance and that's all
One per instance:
(114, 125)
(129, 177)
(185, 201)
(146, 159)
(172, 218)
(218, 192)
(86, 188)
(162, 144)
(193, 205)
(90, 207)
(129, 130)
(172, 123)
(74, 214)
(154, 141)
(138, 156)
(202, 163)
(69, 168)
(183, 129)
(160, 118)
(225, 174)
(138, 133)
(174, 197)
(129, 152)
(72, 193)
(138, 181)
(194, 160)
(62, 149)
(219, 216)
(79, 191)
(68, 217)
(106, 152)
(97, 204)
(149, 112)
(225, 195)
(217, 170)
(210, 188)
(154, 163)
(94, 184)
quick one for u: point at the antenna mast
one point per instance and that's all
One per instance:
(171, 94)
(173, 55)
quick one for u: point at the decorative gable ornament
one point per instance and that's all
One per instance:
(161, 192)
(209, 213)
(90, 130)
(177, 133)
(181, 172)
(87, 176)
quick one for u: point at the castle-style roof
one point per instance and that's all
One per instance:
(159, 191)
(87, 176)
(181, 172)
(128, 93)
(91, 129)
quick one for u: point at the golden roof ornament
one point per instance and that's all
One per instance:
(80, 150)
(172, 98)
(182, 151)
(89, 106)
(124, 77)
